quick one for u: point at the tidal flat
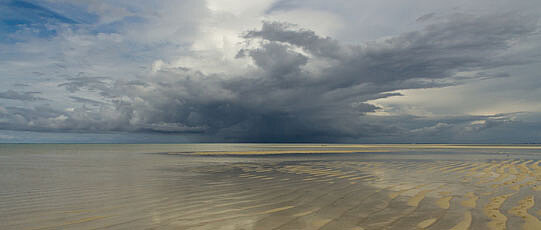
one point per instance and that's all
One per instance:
(269, 186)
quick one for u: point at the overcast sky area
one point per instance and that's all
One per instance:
(349, 71)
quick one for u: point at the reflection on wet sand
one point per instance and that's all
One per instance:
(304, 192)
(398, 195)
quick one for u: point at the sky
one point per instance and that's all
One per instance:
(345, 71)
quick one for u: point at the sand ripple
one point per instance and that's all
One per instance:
(363, 189)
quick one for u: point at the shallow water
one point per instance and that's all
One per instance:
(92, 186)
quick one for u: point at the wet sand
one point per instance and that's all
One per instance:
(272, 187)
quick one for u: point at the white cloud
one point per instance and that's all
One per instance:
(172, 66)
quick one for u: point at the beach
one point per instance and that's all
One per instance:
(269, 186)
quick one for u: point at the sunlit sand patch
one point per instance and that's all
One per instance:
(465, 223)
(195, 215)
(534, 165)
(492, 211)
(445, 168)
(457, 169)
(445, 192)
(515, 182)
(487, 174)
(233, 204)
(517, 187)
(356, 178)
(326, 180)
(444, 202)
(305, 213)
(523, 168)
(376, 212)
(394, 194)
(504, 165)
(244, 175)
(225, 211)
(431, 168)
(73, 222)
(426, 223)
(467, 179)
(486, 193)
(502, 175)
(276, 210)
(535, 187)
(470, 200)
(204, 221)
(347, 176)
(258, 177)
(333, 210)
(515, 162)
(513, 169)
(77, 211)
(521, 210)
(414, 201)
(475, 171)
(317, 224)
(411, 205)
(310, 179)
(410, 146)
(472, 166)
(276, 152)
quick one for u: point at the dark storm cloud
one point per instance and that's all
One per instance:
(288, 98)
(306, 39)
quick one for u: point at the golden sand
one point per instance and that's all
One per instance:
(414, 201)
(465, 223)
(394, 194)
(305, 213)
(492, 211)
(521, 210)
(444, 202)
(426, 223)
(312, 193)
(470, 201)
(73, 222)
(407, 146)
(276, 210)
(313, 149)
(278, 152)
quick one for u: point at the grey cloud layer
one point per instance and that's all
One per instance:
(305, 88)
(22, 96)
